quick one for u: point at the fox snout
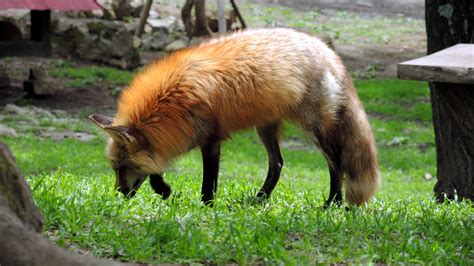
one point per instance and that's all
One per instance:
(156, 181)
(128, 193)
(129, 190)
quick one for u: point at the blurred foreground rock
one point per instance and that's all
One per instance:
(20, 224)
(103, 41)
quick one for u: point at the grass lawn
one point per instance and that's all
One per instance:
(73, 186)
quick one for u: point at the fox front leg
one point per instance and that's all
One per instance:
(210, 159)
(159, 185)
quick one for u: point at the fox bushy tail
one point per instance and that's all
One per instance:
(359, 155)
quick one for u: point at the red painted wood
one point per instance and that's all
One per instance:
(50, 4)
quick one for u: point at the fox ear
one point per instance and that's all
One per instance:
(101, 120)
(118, 133)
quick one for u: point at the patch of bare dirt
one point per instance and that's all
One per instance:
(96, 96)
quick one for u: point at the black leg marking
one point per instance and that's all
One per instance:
(159, 185)
(335, 192)
(332, 152)
(210, 157)
(269, 136)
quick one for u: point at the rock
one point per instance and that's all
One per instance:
(21, 221)
(15, 194)
(7, 131)
(15, 109)
(81, 136)
(428, 176)
(131, 27)
(137, 10)
(137, 42)
(122, 8)
(41, 112)
(396, 141)
(4, 78)
(176, 45)
(153, 14)
(106, 12)
(39, 82)
(102, 41)
(156, 41)
(167, 24)
(196, 41)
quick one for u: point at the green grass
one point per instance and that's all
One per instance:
(344, 26)
(87, 76)
(73, 186)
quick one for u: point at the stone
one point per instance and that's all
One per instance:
(15, 194)
(428, 176)
(39, 82)
(167, 24)
(107, 11)
(103, 41)
(15, 109)
(156, 41)
(137, 10)
(4, 78)
(153, 14)
(21, 242)
(397, 141)
(122, 8)
(7, 131)
(176, 45)
(196, 41)
(81, 136)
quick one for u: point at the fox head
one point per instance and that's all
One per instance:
(129, 154)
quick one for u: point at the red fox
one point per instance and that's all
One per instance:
(198, 96)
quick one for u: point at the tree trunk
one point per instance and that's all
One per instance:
(187, 18)
(201, 27)
(20, 224)
(449, 22)
(143, 18)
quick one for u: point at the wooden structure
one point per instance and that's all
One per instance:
(39, 43)
(451, 72)
(453, 65)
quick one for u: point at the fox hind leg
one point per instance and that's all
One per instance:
(332, 152)
(335, 192)
(269, 134)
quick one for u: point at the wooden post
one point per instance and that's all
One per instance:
(237, 13)
(143, 18)
(222, 25)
